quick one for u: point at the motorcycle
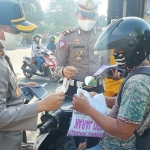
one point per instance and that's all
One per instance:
(48, 67)
(54, 127)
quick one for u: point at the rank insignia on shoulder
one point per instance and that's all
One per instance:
(68, 31)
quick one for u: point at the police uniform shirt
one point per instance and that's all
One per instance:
(76, 48)
(15, 116)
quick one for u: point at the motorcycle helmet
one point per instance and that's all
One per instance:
(37, 38)
(131, 34)
(52, 38)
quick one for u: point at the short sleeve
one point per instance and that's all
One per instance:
(135, 98)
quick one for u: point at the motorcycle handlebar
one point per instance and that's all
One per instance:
(54, 119)
(47, 124)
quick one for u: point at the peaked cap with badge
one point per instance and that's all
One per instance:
(88, 8)
(12, 14)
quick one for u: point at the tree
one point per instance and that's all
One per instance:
(33, 12)
(60, 15)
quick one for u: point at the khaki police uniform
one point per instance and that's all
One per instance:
(15, 116)
(76, 48)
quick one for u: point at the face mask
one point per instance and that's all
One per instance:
(120, 59)
(12, 41)
(86, 25)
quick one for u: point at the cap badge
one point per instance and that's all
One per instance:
(89, 4)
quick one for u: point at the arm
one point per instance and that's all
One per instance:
(44, 48)
(118, 127)
(23, 117)
(33, 50)
(110, 101)
(131, 111)
(61, 54)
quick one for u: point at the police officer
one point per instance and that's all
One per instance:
(14, 115)
(75, 54)
(52, 45)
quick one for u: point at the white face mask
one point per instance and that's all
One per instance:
(86, 25)
(12, 41)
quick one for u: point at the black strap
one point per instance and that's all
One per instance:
(142, 70)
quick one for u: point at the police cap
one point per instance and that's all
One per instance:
(12, 14)
(88, 8)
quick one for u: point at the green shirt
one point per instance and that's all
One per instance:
(134, 108)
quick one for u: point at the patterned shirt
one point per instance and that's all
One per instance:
(134, 108)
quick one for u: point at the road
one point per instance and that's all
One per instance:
(16, 57)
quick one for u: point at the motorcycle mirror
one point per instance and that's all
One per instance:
(90, 81)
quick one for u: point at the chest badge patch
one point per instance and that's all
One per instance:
(77, 41)
(62, 43)
(79, 53)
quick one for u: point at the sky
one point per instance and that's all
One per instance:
(102, 7)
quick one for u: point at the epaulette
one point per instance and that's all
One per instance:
(68, 31)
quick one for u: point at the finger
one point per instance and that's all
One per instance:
(113, 72)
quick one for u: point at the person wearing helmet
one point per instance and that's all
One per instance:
(57, 37)
(15, 116)
(130, 115)
(52, 45)
(36, 49)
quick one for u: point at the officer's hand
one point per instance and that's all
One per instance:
(69, 72)
(30, 84)
(51, 102)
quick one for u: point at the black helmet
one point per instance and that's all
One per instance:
(52, 38)
(131, 34)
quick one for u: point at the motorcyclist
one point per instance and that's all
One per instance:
(130, 38)
(36, 49)
(52, 45)
(57, 37)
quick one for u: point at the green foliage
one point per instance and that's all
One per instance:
(59, 16)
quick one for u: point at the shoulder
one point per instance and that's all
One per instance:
(70, 31)
(138, 85)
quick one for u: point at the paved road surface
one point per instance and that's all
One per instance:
(16, 57)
